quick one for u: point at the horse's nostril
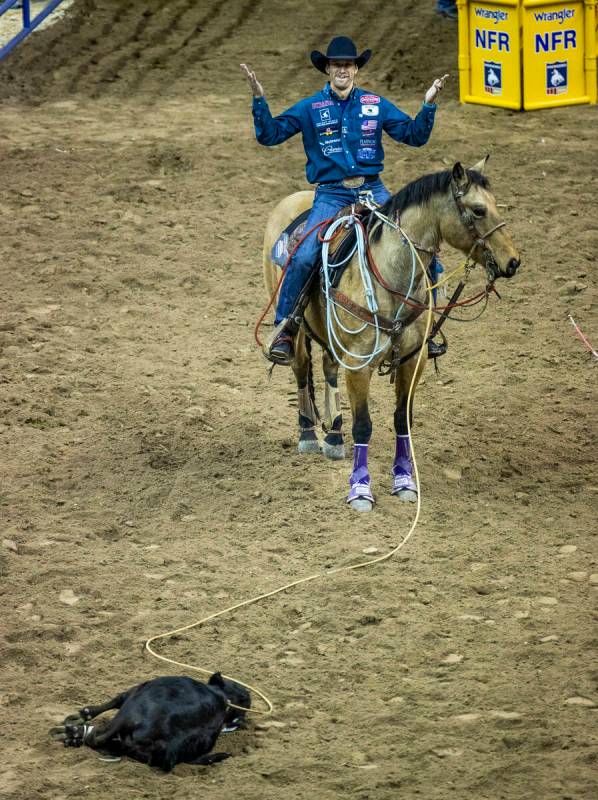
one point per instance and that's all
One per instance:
(512, 267)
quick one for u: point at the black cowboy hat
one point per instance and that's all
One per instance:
(341, 48)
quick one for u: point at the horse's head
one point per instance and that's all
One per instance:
(475, 227)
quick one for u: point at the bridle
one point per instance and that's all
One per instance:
(479, 239)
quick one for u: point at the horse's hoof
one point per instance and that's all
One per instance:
(361, 504)
(308, 446)
(336, 452)
(407, 496)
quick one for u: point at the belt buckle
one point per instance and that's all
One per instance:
(353, 183)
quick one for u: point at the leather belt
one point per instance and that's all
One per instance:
(354, 182)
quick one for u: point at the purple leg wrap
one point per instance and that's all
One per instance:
(360, 477)
(401, 468)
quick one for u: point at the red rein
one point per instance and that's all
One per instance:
(376, 272)
(374, 268)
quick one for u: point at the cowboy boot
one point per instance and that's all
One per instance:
(281, 350)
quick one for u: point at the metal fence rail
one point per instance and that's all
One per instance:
(29, 23)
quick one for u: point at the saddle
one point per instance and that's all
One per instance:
(339, 247)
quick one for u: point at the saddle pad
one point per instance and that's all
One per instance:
(291, 235)
(288, 239)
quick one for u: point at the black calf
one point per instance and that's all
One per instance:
(162, 722)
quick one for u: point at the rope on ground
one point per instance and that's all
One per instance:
(269, 707)
(583, 338)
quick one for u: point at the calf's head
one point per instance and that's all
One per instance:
(235, 694)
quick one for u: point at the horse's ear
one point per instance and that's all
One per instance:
(217, 680)
(459, 176)
(481, 165)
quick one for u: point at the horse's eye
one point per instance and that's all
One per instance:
(479, 212)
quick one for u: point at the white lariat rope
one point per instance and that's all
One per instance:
(325, 573)
(333, 323)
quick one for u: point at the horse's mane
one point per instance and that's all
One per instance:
(421, 190)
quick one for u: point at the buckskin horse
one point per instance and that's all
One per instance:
(453, 206)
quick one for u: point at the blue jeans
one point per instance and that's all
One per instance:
(329, 200)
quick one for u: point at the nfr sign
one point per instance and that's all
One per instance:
(492, 40)
(558, 54)
(527, 53)
(552, 40)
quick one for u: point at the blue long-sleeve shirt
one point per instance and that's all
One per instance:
(342, 138)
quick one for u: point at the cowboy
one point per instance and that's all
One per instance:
(342, 129)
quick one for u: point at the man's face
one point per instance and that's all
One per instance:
(342, 74)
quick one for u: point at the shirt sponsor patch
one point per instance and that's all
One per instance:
(369, 98)
(325, 114)
(369, 111)
(366, 153)
(368, 127)
(322, 104)
(330, 150)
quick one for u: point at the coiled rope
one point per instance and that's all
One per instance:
(333, 323)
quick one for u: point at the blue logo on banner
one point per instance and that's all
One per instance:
(492, 77)
(557, 77)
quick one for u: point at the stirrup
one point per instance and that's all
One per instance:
(435, 350)
(280, 348)
(281, 351)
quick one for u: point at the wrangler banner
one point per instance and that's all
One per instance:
(494, 48)
(554, 47)
(527, 53)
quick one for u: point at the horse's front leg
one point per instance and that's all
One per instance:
(334, 445)
(308, 412)
(403, 482)
(360, 494)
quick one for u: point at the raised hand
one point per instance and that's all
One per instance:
(256, 86)
(434, 89)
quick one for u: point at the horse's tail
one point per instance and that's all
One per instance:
(310, 377)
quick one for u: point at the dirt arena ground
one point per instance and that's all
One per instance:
(149, 474)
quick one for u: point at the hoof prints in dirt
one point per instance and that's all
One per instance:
(104, 47)
(159, 489)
